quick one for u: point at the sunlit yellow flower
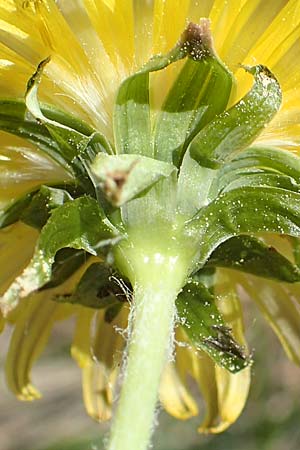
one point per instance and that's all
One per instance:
(94, 45)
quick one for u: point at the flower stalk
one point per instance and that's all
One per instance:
(159, 277)
(148, 349)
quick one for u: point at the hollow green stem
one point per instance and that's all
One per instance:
(150, 344)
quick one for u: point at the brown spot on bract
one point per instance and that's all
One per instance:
(114, 183)
(197, 39)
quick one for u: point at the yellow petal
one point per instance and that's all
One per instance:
(201, 9)
(107, 77)
(143, 25)
(97, 348)
(16, 248)
(222, 16)
(12, 63)
(174, 394)
(284, 130)
(233, 389)
(196, 364)
(13, 66)
(81, 346)
(278, 38)
(285, 65)
(97, 392)
(23, 168)
(33, 30)
(228, 393)
(217, 386)
(169, 23)
(109, 339)
(33, 321)
(278, 48)
(249, 24)
(32, 330)
(96, 400)
(278, 304)
(205, 375)
(113, 21)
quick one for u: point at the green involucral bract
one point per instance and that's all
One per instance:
(205, 326)
(78, 224)
(132, 123)
(244, 210)
(235, 129)
(35, 207)
(200, 92)
(96, 289)
(251, 255)
(125, 177)
(179, 191)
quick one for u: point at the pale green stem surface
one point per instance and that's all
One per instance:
(150, 344)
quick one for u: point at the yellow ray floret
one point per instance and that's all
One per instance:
(16, 249)
(174, 393)
(169, 22)
(33, 321)
(97, 348)
(113, 21)
(250, 23)
(30, 336)
(233, 389)
(23, 168)
(279, 304)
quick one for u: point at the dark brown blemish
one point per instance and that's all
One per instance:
(197, 39)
